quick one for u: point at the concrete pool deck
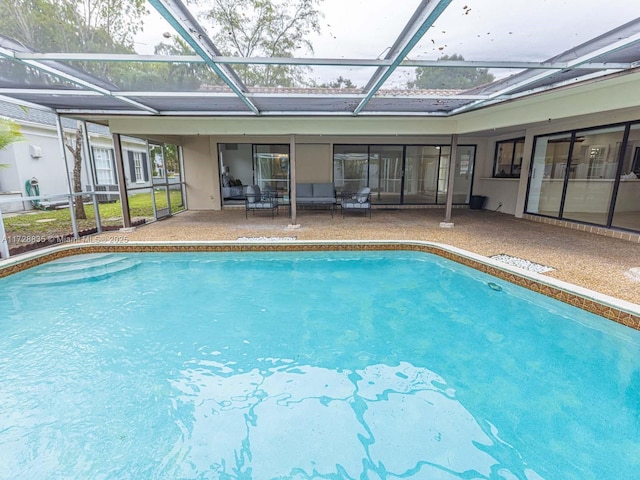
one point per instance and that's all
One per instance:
(595, 262)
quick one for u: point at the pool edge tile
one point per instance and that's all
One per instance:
(613, 309)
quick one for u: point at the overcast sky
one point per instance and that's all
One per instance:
(511, 30)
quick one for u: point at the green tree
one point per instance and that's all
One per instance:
(9, 133)
(267, 28)
(92, 26)
(185, 76)
(96, 26)
(450, 77)
(43, 25)
(74, 145)
(339, 82)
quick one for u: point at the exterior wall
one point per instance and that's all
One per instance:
(314, 162)
(201, 173)
(9, 181)
(49, 169)
(501, 193)
(314, 159)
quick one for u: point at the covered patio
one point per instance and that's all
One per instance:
(544, 129)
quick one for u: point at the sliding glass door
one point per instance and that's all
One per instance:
(385, 174)
(592, 174)
(271, 169)
(243, 164)
(626, 212)
(404, 174)
(350, 167)
(546, 184)
(421, 174)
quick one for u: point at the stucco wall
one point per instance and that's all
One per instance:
(201, 173)
(314, 159)
(314, 162)
(49, 169)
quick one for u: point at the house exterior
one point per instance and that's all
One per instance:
(554, 139)
(517, 154)
(38, 158)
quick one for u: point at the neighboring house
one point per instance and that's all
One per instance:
(38, 156)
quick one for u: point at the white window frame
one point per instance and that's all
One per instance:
(103, 163)
(137, 164)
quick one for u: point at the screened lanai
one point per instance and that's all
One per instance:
(510, 91)
(320, 57)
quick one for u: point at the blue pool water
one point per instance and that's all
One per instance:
(372, 365)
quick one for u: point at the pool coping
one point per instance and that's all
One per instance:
(620, 311)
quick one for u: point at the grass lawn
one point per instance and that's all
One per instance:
(36, 224)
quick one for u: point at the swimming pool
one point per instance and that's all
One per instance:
(307, 365)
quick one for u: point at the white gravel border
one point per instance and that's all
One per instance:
(521, 263)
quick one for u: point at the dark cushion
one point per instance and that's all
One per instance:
(323, 190)
(304, 189)
(253, 193)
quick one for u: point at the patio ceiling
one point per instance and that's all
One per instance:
(379, 83)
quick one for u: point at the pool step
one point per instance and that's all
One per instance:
(68, 272)
(83, 258)
(85, 263)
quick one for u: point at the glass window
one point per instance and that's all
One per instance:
(626, 213)
(271, 168)
(172, 158)
(158, 171)
(421, 174)
(592, 173)
(103, 160)
(464, 173)
(408, 175)
(508, 158)
(137, 163)
(385, 173)
(350, 167)
(550, 157)
(443, 175)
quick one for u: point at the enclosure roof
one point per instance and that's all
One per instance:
(365, 58)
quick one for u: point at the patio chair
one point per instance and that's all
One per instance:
(358, 201)
(257, 200)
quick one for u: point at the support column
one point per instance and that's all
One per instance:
(122, 181)
(72, 199)
(293, 193)
(86, 152)
(447, 223)
(4, 241)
